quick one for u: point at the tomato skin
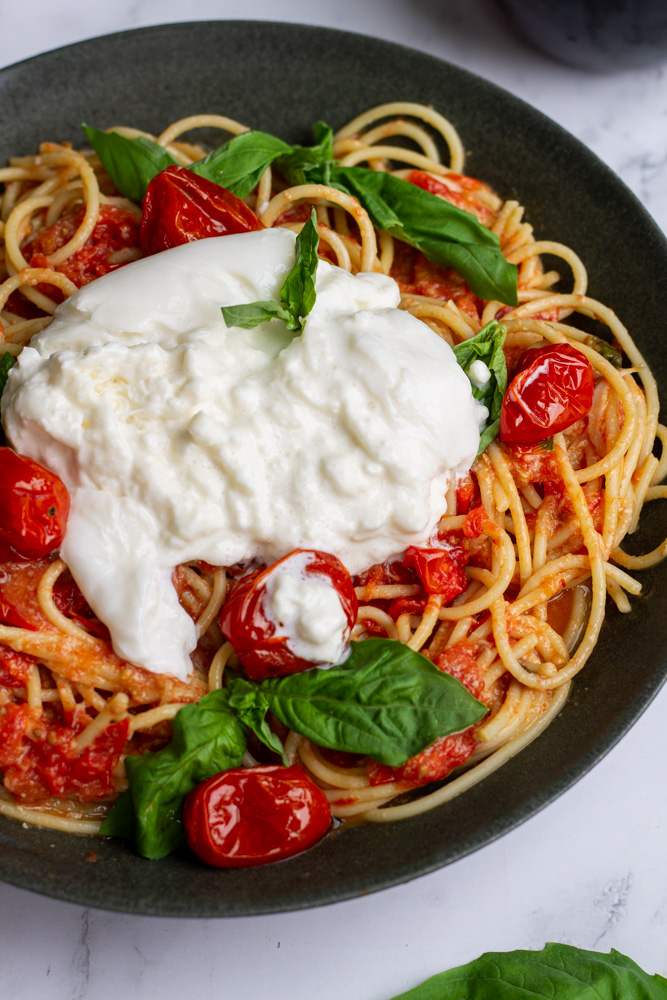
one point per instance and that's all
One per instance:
(34, 504)
(552, 390)
(243, 621)
(181, 207)
(38, 757)
(116, 229)
(252, 816)
(440, 570)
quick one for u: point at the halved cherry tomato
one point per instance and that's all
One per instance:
(440, 570)
(553, 389)
(250, 816)
(116, 230)
(34, 504)
(262, 650)
(39, 757)
(181, 207)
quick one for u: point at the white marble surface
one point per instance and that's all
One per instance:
(590, 869)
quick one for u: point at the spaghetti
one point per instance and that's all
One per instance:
(542, 529)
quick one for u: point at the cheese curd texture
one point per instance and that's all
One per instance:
(181, 439)
(306, 608)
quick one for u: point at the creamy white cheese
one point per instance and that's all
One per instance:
(306, 608)
(181, 439)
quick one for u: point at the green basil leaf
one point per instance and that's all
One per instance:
(251, 315)
(608, 352)
(298, 289)
(239, 163)
(385, 701)
(547, 444)
(297, 294)
(121, 821)
(251, 707)
(7, 362)
(487, 346)
(558, 972)
(207, 738)
(130, 163)
(294, 166)
(446, 234)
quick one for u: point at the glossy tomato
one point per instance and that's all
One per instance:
(261, 647)
(108, 247)
(34, 504)
(440, 570)
(552, 390)
(250, 816)
(181, 207)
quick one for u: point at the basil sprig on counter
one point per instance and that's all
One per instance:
(446, 234)
(297, 294)
(558, 972)
(385, 701)
(487, 346)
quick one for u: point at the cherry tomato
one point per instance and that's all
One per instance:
(39, 757)
(34, 504)
(250, 816)
(552, 390)
(440, 570)
(116, 229)
(262, 650)
(181, 207)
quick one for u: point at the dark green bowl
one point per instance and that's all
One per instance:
(282, 78)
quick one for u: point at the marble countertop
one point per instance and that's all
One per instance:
(588, 870)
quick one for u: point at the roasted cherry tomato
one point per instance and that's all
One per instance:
(440, 570)
(109, 246)
(552, 390)
(262, 649)
(250, 816)
(34, 504)
(181, 207)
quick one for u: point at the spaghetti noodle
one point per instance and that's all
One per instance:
(542, 529)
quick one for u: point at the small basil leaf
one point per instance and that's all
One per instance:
(446, 234)
(130, 163)
(297, 293)
(298, 289)
(251, 707)
(487, 346)
(558, 972)
(239, 163)
(296, 164)
(7, 362)
(207, 738)
(121, 821)
(547, 444)
(608, 352)
(251, 315)
(385, 701)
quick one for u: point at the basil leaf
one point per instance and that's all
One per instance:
(295, 164)
(7, 361)
(251, 315)
(446, 234)
(298, 289)
(487, 346)
(297, 293)
(207, 738)
(239, 163)
(130, 163)
(558, 972)
(608, 352)
(251, 707)
(385, 701)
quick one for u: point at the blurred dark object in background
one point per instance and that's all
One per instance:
(601, 35)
